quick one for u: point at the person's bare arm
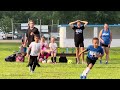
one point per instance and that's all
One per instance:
(71, 23)
(83, 51)
(100, 35)
(26, 41)
(110, 38)
(85, 23)
(28, 53)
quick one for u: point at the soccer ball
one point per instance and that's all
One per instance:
(69, 62)
(43, 61)
(49, 61)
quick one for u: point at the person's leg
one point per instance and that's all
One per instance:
(77, 55)
(86, 71)
(42, 54)
(30, 63)
(103, 46)
(55, 57)
(102, 56)
(90, 64)
(107, 54)
(82, 55)
(28, 58)
(34, 63)
(52, 56)
(48, 53)
(77, 52)
(81, 49)
(37, 63)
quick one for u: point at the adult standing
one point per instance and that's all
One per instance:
(78, 38)
(105, 37)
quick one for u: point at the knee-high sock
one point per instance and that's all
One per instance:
(86, 71)
(52, 59)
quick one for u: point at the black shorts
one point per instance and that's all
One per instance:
(79, 43)
(103, 45)
(88, 60)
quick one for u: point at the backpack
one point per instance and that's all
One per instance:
(11, 58)
(63, 58)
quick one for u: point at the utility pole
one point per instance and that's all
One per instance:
(12, 28)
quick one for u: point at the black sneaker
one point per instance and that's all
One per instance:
(38, 65)
(106, 62)
(27, 65)
(100, 61)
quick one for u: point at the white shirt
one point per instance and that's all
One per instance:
(35, 48)
(53, 46)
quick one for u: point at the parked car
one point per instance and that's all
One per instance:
(10, 35)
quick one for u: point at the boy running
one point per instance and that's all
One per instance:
(94, 52)
(33, 50)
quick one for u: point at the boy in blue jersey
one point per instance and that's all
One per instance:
(94, 52)
(105, 37)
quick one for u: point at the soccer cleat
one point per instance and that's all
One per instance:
(32, 71)
(27, 65)
(84, 77)
(38, 65)
(30, 68)
(106, 62)
(100, 61)
(81, 77)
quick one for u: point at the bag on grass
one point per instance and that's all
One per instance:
(11, 58)
(63, 58)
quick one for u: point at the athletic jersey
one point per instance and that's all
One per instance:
(106, 36)
(35, 48)
(43, 45)
(53, 46)
(92, 52)
(78, 33)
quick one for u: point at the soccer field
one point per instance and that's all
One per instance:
(16, 70)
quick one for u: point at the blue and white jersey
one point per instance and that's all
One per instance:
(92, 52)
(106, 36)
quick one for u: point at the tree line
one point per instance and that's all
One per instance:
(64, 17)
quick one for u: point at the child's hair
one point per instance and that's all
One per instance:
(95, 38)
(43, 38)
(37, 35)
(53, 37)
(106, 23)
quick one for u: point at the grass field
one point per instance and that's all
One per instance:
(15, 70)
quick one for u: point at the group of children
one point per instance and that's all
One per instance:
(38, 48)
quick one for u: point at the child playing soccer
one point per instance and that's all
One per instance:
(94, 52)
(53, 49)
(33, 50)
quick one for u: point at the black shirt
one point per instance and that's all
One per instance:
(31, 37)
(78, 33)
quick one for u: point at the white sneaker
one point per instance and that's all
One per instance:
(30, 68)
(32, 71)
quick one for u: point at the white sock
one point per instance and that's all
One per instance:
(86, 71)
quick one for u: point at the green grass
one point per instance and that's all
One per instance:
(16, 70)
